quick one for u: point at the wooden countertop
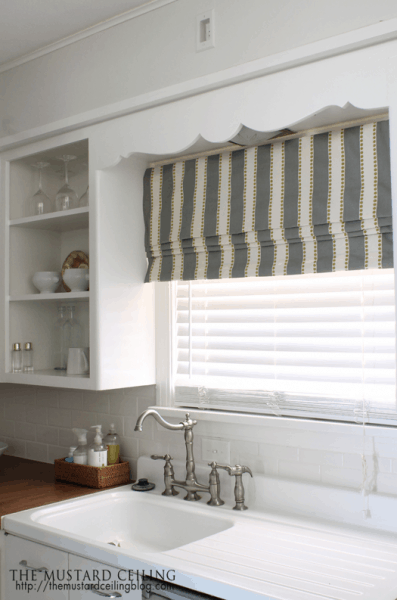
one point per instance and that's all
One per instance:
(28, 484)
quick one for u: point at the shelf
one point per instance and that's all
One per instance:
(57, 221)
(64, 296)
(50, 378)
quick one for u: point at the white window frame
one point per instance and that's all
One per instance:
(164, 308)
(163, 339)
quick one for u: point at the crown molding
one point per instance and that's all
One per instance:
(80, 35)
(359, 39)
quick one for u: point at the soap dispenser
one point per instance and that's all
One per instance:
(112, 441)
(97, 452)
(69, 458)
(80, 454)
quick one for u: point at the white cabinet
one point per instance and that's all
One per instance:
(28, 570)
(111, 582)
(35, 570)
(117, 313)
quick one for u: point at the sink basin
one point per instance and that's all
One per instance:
(134, 520)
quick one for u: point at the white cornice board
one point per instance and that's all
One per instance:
(345, 43)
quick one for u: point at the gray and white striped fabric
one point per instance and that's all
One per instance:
(317, 203)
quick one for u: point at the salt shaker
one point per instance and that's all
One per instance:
(28, 358)
(16, 358)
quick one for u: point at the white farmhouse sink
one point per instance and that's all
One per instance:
(133, 520)
(264, 552)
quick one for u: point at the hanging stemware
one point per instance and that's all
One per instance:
(39, 203)
(66, 198)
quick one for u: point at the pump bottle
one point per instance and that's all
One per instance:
(112, 441)
(97, 452)
(80, 454)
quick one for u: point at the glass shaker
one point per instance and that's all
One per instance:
(16, 358)
(28, 358)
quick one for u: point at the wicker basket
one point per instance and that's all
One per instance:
(95, 477)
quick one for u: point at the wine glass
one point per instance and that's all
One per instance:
(84, 199)
(39, 203)
(66, 198)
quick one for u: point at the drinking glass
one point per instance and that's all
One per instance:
(71, 334)
(39, 203)
(60, 352)
(66, 198)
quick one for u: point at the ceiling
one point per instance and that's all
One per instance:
(28, 25)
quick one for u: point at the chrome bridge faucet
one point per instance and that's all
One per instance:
(190, 485)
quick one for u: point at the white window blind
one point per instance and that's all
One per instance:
(322, 344)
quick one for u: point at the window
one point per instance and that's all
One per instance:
(320, 345)
(272, 313)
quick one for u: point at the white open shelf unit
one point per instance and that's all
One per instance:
(42, 243)
(117, 313)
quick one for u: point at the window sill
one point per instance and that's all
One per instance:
(293, 423)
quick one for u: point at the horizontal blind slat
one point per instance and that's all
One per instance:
(269, 303)
(354, 312)
(338, 345)
(288, 329)
(279, 357)
(300, 331)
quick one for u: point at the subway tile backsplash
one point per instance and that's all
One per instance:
(36, 423)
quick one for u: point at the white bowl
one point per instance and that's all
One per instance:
(46, 281)
(3, 447)
(77, 279)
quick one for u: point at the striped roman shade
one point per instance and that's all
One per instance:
(316, 203)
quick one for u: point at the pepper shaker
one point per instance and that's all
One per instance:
(28, 358)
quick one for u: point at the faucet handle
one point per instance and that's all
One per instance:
(215, 486)
(236, 470)
(227, 468)
(188, 423)
(166, 457)
(168, 474)
(214, 466)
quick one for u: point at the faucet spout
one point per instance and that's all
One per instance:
(191, 485)
(153, 412)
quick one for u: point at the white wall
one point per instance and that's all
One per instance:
(36, 423)
(157, 50)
